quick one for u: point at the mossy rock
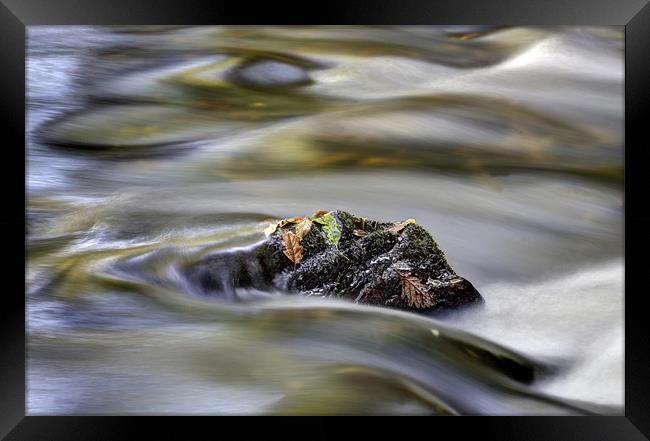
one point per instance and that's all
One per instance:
(337, 254)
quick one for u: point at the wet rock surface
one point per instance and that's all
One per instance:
(339, 255)
(269, 73)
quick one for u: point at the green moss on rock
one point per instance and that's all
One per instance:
(382, 263)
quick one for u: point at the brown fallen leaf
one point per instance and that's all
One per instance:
(400, 226)
(303, 227)
(292, 248)
(414, 291)
(319, 213)
(281, 223)
(291, 220)
(359, 233)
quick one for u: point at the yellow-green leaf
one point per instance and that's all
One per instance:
(330, 228)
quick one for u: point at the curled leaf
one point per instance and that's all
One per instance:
(360, 227)
(292, 248)
(281, 223)
(319, 213)
(291, 220)
(400, 226)
(303, 227)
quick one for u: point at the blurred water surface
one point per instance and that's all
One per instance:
(149, 147)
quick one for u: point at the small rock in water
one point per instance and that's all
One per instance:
(268, 73)
(337, 254)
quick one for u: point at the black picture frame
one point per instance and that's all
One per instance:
(15, 15)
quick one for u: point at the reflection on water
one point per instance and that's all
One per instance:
(151, 147)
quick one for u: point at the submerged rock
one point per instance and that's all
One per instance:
(337, 254)
(269, 73)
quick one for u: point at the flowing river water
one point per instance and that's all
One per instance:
(151, 147)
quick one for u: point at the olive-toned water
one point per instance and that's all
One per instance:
(150, 147)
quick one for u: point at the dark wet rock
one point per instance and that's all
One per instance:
(269, 73)
(380, 263)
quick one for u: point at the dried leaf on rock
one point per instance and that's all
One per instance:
(281, 223)
(414, 291)
(303, 227)
(400, 226)
(292, 248)
(291, 220)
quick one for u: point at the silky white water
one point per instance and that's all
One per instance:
(144, 153)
